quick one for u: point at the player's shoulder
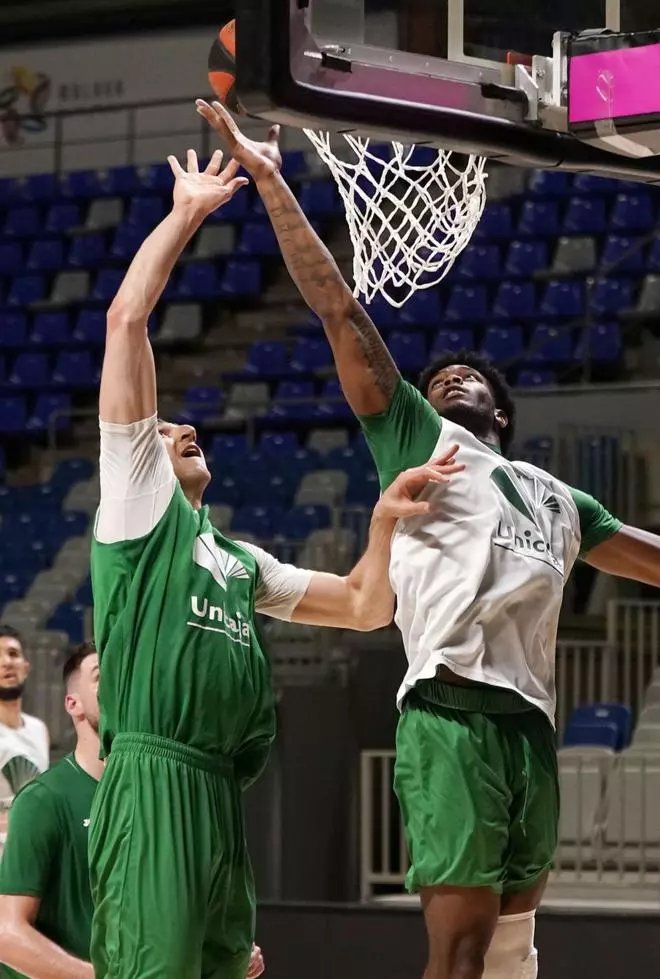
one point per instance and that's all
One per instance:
(34, 725)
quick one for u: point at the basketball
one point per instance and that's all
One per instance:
(222, 66)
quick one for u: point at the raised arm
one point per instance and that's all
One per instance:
(630, 553)
(362, 600)
(367, 373)
(128, 379)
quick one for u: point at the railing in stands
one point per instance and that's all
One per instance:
(633, 629)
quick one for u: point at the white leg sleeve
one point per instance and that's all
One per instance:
(511, 954)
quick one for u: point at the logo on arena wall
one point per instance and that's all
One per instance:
(528, 498)
(218, 562)
(23, 104)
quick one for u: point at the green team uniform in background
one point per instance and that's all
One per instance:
(45, 855)
(187, 721)
(479, 586)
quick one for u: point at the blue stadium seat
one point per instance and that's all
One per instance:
(46, 407)
(319, 197)
(346, 457)
(75, 369)
(382, 313)
(294, 164)
(539, 218)
(633, 212)
(620, 251)
(563, 297)
(603, 735)
(526, 257)
(278, 443)
(72, 523)
(146, 212)
(501, 344)
(309, 356)
(294, 389)
(267, 358)
(68, 472)
(13, 329)
(223, 490)
(549, 183)
(257, 520)
(408, 351)
(26, 289)
(157, 177)
(203, 397)
(585, 216)
(422, 309)
(588, 183)
(3, 370)
(50, 329)
(533, 379)
(550, 344)
(257, 238)
(46, 255)
(495, 223)
(235, 209)
(63, 217)
(301, 521)
(653, 257)
(199, 280)
(268, 490)
(22, 222)
(462, 339)
(618, 714)
(40, 188)
(14, 584)
(227, 447)
(515, 300)
(467, 303)
(610, 295)
(69, 618)
(126, 241)
(480, 262)
(87, 250)
(285, 412)
(90, 326)
(11, 258)
(604, 341)
(30, 371)
(241, 278)
(107, 284)
(119, 181)
(363, 488)
(83, 184)
(6, 190)
(13, 415)
(84, 594)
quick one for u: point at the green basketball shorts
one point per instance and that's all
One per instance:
(476, 778)
(171, 878)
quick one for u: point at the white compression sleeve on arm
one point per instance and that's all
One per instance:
(280, 586)
(511, 954)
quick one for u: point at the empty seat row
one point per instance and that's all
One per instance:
(631, 211)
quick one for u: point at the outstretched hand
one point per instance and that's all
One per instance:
(399, 499)
(209, 189)
(259, 159)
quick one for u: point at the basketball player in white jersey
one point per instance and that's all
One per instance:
(24, 744)
(479, 586)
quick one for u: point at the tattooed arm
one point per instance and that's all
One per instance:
(367, 373)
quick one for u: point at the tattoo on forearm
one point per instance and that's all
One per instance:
(321, 285)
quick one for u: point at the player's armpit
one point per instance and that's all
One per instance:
(629, 553)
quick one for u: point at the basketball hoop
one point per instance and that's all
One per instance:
(408, 220)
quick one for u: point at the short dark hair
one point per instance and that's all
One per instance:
(8, 631)
(496, 381)
(75, 659)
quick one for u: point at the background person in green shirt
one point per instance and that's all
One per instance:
(45, 898)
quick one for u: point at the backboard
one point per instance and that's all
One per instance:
(476, 76)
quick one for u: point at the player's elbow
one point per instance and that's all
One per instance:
(370, 615)
(125, 316)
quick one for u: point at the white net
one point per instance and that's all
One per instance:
(408, 218)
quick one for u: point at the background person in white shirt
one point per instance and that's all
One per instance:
(24, 742)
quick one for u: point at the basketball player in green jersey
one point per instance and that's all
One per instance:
(187, 706)
(479, 588)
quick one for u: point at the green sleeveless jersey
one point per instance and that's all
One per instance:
(174, 625)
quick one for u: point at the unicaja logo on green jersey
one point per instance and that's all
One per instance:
(222, 567)
(526, 497)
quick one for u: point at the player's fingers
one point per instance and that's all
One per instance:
(193, 165)
(214, 164)
(446, 456)
(225, 119)
(230, 171)
(236, 184)
(175, 166)
(274, 134)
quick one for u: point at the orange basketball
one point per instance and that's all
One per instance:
(222, 66)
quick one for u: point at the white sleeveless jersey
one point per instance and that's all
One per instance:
(24, 754)
(479, 582)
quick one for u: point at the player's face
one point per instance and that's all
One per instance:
(14, 668)
(187, 458)
(464, 396)
(82, 698)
